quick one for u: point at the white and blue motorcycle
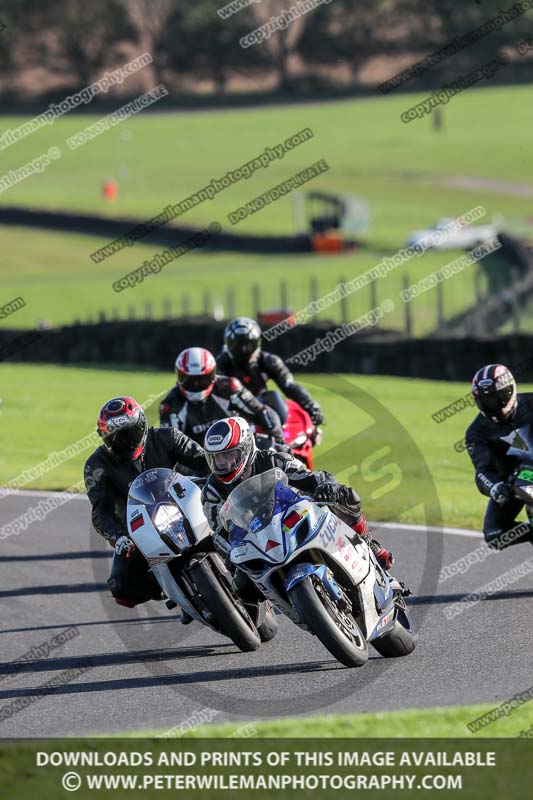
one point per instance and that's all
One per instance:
(316, 570)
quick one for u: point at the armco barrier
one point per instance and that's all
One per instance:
(150, 344)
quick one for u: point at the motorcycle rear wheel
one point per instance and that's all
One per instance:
(228, 611)
(319, 614)
(269, 627)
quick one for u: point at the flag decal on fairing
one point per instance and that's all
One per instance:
(136, 522)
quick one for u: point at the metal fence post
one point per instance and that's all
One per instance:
(440, 305)
(284, 296)
(408, 320)
(230, 302)
(314, 295)
(344, 303)
(256, 299)
(374, 293)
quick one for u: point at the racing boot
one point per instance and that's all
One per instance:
(384, 557)
(256, 605)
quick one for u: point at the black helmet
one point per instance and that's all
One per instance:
(242, 338)
(494, 391)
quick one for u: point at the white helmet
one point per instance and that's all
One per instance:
(195, 372)
(229, 448)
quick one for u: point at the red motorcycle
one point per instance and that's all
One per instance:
(299, 433)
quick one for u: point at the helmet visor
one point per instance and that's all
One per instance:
(496, 403)
(491, 403)
(242, 349)
(195, 383)
(226, 461)
(124, 443)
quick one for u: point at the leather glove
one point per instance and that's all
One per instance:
(326, 493)
(282, 448)
(501, 492)
(123, 546)
(272, 426)
(385, 558)
(315, 412)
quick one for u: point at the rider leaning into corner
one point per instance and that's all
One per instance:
(243, 358)
(232, 455)
(200, 397)
(488, 439)
(129, 448)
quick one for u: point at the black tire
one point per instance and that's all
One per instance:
(269, 627)
(320, 621)
(230, 615)
(399, 641)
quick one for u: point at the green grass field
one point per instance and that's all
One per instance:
(50, 272)
(423, 723)
(370, 152)
(47, 408)
(401, 169)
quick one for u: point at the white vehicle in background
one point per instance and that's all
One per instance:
(459, 239)
(166, 521)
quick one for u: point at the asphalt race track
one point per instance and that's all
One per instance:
(141, 669)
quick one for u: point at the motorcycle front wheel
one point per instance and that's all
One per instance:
(338, 631)
(230, 614)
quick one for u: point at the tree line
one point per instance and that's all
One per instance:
(76, 40)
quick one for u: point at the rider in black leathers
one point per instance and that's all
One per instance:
(200, 397)
(488, 439)
(243, 358)
(129, 448)
(249, 461)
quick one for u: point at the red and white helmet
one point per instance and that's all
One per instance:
(195, 373)
(229, 448)
(123, 427)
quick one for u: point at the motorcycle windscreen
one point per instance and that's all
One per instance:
(152, 486)
(521, 443)
(252, 505)
(151, 489)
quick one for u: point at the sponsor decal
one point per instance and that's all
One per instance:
(136, 522)
(255, 525)
(239, 551)
(291, 520)
(381, 624)
(119, 422)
